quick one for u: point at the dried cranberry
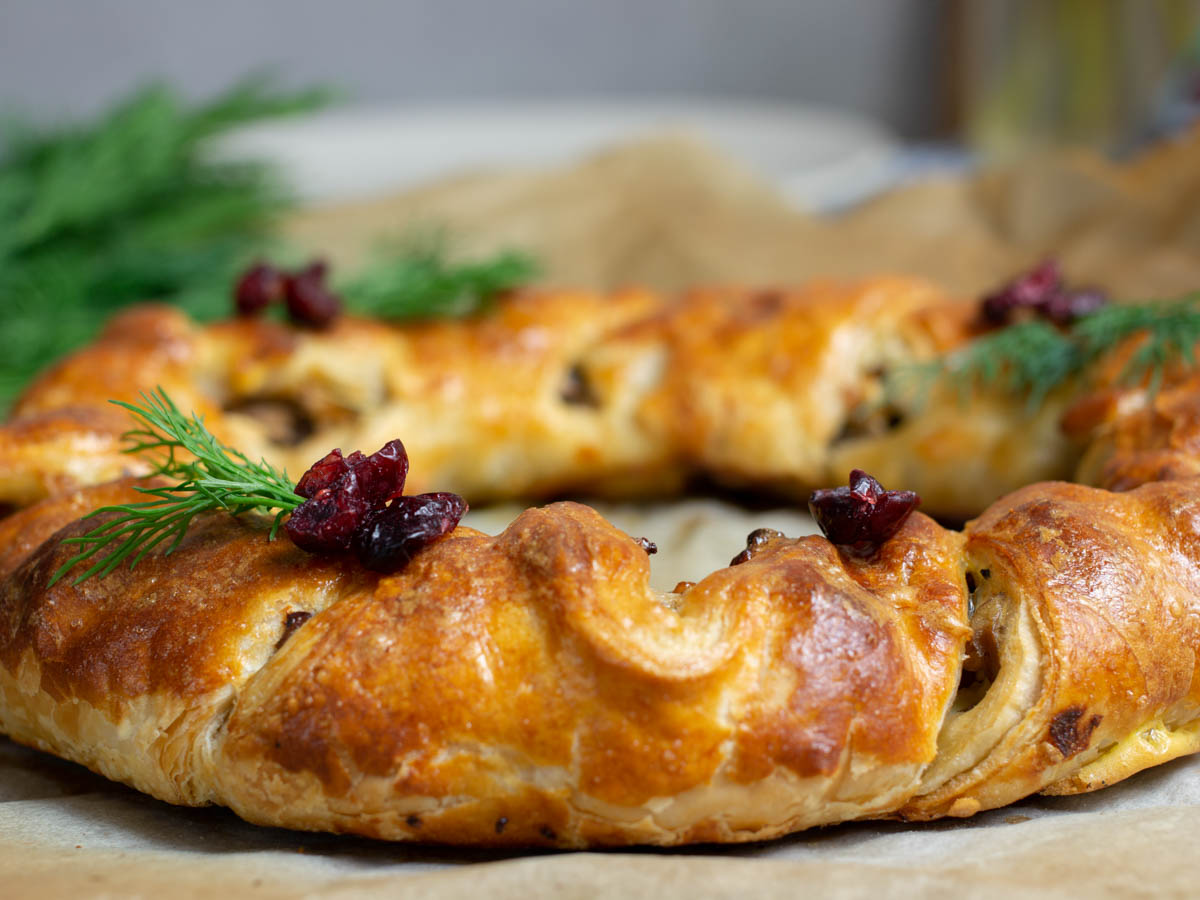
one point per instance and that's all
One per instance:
(1067, 306)
(341, 491)
(325, 523)
(1030, 290)
(323, 473)
(257, 288)
(859, 518)
(380, 476)
(1041, 291)
(383, 473)
(391, 536)
(309, 299)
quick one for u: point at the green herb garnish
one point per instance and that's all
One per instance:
(420, 280)
(1034, 358)
(134, 207)
(206, 476)
(126, 209)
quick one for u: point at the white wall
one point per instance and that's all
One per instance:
(874, 56)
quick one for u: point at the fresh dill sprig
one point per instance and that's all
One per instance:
(419, 279)
(206, 476)
(1170, 330)
(128, 208)
(135, 207)
(1034, 358)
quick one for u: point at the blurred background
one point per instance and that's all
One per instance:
(137, 162)
(997, 73)
(876, 57)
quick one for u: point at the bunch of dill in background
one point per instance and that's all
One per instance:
(135, 207)
(128, 208)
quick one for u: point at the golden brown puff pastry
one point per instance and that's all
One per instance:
(1139, 435)
(758, 386)
(523, 401)
(558, 393)
(528, 688)
(1086, 625)
(531, 688)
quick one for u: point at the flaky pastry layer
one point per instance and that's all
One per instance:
(531, 688)
(553, 394)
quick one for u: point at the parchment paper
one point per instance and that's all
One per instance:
(669, 213)
(67, 833)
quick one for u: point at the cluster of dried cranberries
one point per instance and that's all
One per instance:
(308, 299)
(357, 503)
(1042, 292)
(861, 517)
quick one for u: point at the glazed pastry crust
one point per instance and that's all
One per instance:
(1109, 584)
(530, 688)
(553, 394)
(1140, 435)
(524, 689)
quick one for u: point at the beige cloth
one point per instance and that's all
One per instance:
(668, 214)
(64, 832)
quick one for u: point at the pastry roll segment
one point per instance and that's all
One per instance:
(528, 688)
(1087, 624)
(534, 680)
(130, 673)
(557, 393)
(1140, 435)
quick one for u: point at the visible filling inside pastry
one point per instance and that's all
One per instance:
(292, 621)
(577, 388)
(874, 412)
(1001, 678)
(283, 420)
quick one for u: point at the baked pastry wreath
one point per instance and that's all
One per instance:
(531, 688)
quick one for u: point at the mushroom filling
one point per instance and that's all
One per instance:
(1001, 679)
(577, 388)
(872, 411)
(284, 421)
